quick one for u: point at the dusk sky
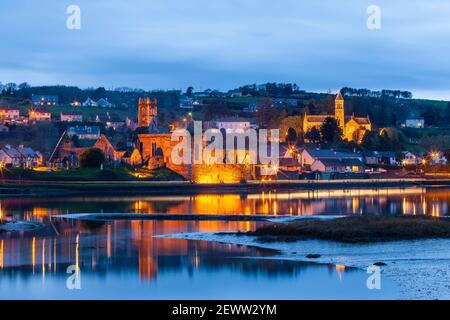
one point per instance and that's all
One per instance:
(222, 44)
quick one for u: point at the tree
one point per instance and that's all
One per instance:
(371, 141)
(446, 115)
(189, 91)
(330, 131)
(92, 158)
(292, 136)
(431, 117)
(313, 135)
(265, 113)
(212, 111)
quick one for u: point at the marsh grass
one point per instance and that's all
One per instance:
(361, 229)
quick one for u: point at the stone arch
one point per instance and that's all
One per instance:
(293, 122)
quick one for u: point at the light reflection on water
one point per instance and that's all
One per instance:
(418, 201)
(123, 259)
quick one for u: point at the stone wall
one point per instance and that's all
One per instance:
(160, 146)
(222, 173)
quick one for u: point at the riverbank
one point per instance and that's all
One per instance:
(11, 188)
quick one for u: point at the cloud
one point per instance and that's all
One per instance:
(222, 44)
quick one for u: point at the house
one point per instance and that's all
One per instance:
(417, 123)
(290, 151)
(234, 93)
(10, 157)
(380, 157)
(67, 154)
(186, 102)
(280, 102)
(84, 132)
(309, 155)
(411, 159)
(110, 120)
(114, 121)
(231, 124)
(289, 164)
(20, 157)
(71, 116)
(30, 158)
(89, 103)
(437, 158)
(75, 103)
(39, 115)
(9, 114)
(251, 107)
(338, 165)
(44, 100)
(103, 103)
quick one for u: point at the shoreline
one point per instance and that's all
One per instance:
(419, 268)
(11, 188)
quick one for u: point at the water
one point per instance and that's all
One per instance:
(123, 259)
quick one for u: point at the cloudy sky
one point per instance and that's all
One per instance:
(153, 44)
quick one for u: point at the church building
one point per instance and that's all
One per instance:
(353, 128)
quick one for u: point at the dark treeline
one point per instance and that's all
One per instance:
(383, 93)
(271, 89)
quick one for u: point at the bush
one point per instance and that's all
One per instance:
(92, 158)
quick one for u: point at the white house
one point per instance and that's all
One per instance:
(104, 103)
(89, 103)
(417, 123)
(231, 124)
(411, 159)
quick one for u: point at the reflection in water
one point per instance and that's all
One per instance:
(126, 254)
(411, 201)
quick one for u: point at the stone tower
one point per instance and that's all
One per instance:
(147, 112)
(339, 112)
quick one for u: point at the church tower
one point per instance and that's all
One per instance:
(339, 113)
(147, 112)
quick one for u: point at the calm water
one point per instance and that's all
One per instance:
(123, 259)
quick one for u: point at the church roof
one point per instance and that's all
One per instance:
(358, 120)
(317, 118)
(339, 96)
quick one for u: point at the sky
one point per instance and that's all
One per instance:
(222, 44)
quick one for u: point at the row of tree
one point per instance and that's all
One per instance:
(271, 89)
(377, 94)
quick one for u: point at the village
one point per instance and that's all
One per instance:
(309, 147)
